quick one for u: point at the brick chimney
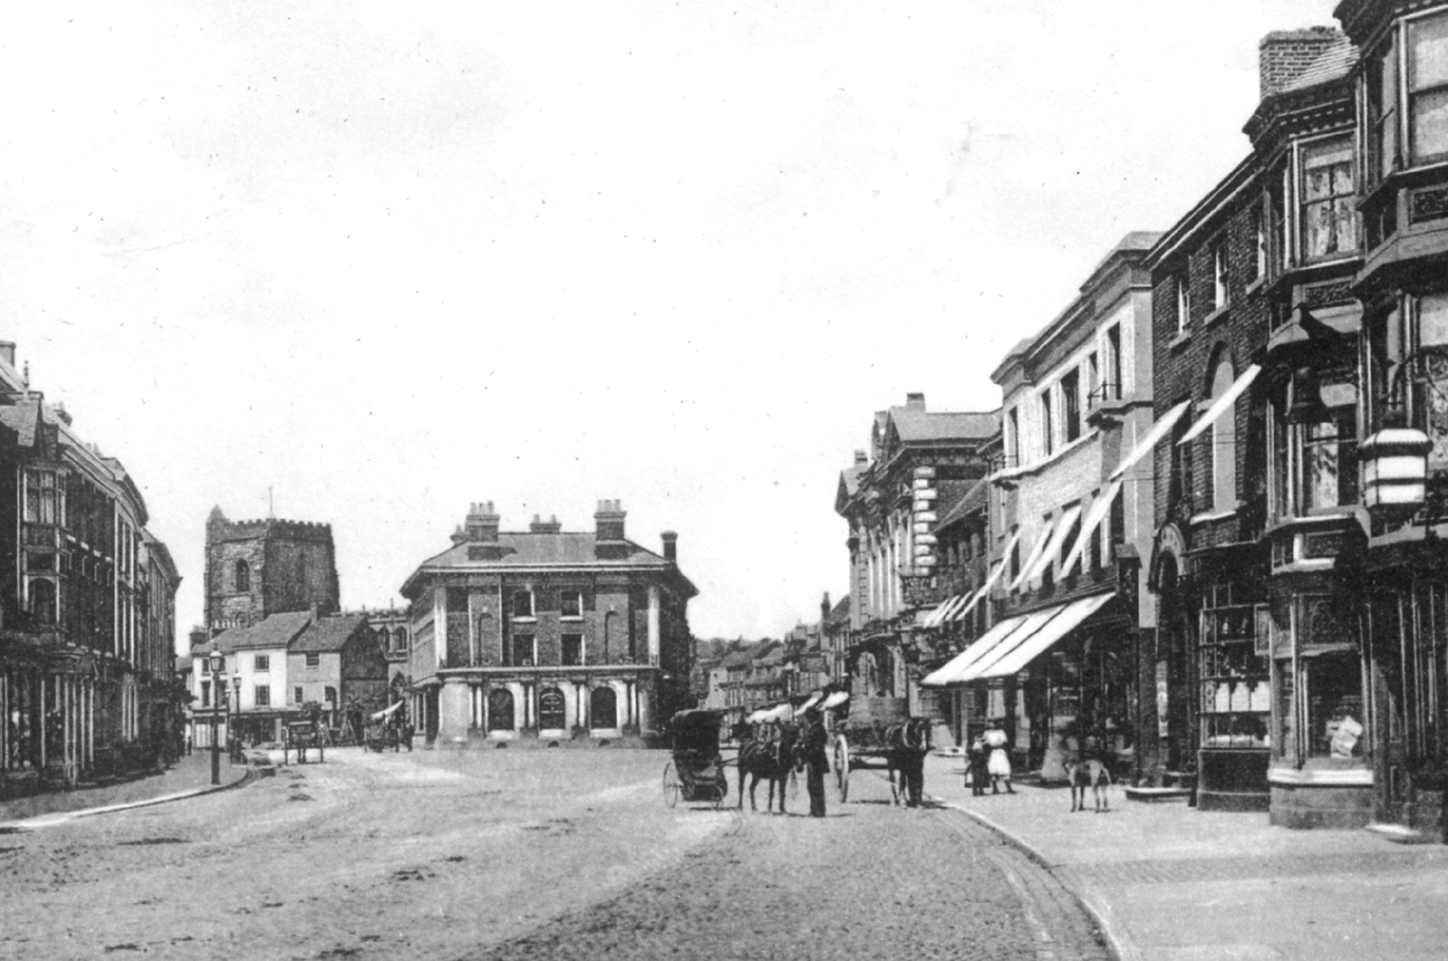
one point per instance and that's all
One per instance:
(861, 458)
(608, 520)
(482, 523)
(671, 546)
(550, 526)
(915, 401)
(825, 608)
(1284, 54)
(7, 352)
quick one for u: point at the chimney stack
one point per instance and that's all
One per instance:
(7, 352)
(861, 458)
(482, 523)
(197, 637)
(915, 401)
(550, 526)
(825, 609)
(608, 520)
(671, 546)
(1284, 54)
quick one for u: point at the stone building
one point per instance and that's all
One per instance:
(548, 634)
(389, 626)
(257, 568)
(920, 462)
(87, 616)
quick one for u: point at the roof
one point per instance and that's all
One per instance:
(738, 659)
(278, 630)
(840, 611)
(183, 663)
(545, 549)
(328, 634)
(1334, 63)
(23, 417)
(972, 500)
(850, 478)
(920, 426)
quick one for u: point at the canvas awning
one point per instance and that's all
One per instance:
(1058, 541)
(835, 700)
(1037, 549)
(386, 712)
(967, 601)
(1222, 403)
(1150, 439)
(938, 614)
(1018, 652)
(953, 671)
(1100, 507)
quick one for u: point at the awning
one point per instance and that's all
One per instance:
(950, 608)
(1037, 549)
(967, 601)
(938, 613)
(953, 672)
(1053, 550)
(1016, 654)
(1150, 440)
(1220, 405)
(811, 701)
(385, 712)
(835, 700)
(1100, 507)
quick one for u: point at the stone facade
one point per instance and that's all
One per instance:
(256, 568)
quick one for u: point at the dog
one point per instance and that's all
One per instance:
(1093, 774)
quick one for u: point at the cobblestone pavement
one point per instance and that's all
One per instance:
(505, 854)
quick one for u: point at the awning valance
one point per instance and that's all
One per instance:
(953, 672)
(1100, 507)
(1220, 405)
(1018, 652)
(1150, 439)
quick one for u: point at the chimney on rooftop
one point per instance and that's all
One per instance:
(671, 546)
(482, 523)
(861, 458)
(1284, 54)
(7, 352)
(915, 401)
(608, 520)
(550, 526)
(825, 608)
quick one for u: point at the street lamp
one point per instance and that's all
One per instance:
(218, 666)
(233, 736)
(1395, 468)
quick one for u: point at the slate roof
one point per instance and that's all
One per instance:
(841, 611)
(738, 659)
(924, 425)
(1334, 63)
(971, 500)
(850, 477)
(23, 417)
(328, 635)
(278, 630)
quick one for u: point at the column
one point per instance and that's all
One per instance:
(653, 625)
(439, 625)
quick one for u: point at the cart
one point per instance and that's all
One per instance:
(857, 733)
(695, 769)
(301, 735)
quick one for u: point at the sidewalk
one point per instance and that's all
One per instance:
(1171, 883)
(188, 777)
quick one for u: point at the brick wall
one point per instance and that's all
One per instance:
(1284, 54)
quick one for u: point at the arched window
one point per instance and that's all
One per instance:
(603, 708)
(550, 709)
(242, 576)
(42, 602)
(500, 709)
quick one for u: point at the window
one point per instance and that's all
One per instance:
(1013, 438)
(1382, 77)
(522, 603)
(522, 654)
(572, 650)
(314, 659)
(1184, 301)
(42, 601)
(571, 604)
(1236, 690)
(205, 693)
(297, 694)
(42, 499)
(329, 695)
(1048, 425)
(1327, 228)
(1257, 266)
(1333, 683)
(261, 663)
(1221, 441)
(1219, 276)
(1428, 88)
(1329, 460)
(1180, 481)
(603, 708)
(500, 709)
(241, 576)
(1114, 377)
(261, 695)
(1093, 378)
(1071, 404)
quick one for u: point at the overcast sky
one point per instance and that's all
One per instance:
(389, 258)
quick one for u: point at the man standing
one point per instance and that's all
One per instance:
(817, 765)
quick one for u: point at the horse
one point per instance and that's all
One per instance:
(770, 757)
(905, 748)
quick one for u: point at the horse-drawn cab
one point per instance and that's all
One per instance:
(300, 735)
(695, 770)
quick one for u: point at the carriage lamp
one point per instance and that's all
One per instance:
(1395, 469)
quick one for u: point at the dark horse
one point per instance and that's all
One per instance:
(769, 754)
(905, 748)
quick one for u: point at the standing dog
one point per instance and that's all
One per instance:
(1083, 774)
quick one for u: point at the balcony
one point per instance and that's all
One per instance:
(1105, 406)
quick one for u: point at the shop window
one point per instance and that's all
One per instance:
(1327, 228)
(572, 650)
(603, 708)
(1333, 688)
(1235, 676)
(241, 576)
(500, 710)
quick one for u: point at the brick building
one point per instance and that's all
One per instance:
(257, 568)
(87, 616)
(548, 634)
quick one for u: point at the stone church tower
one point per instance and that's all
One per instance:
(259, 567)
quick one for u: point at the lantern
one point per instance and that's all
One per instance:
(1395, 470)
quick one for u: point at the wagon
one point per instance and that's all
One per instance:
(857, 733)
(301, 735)
(695, 769)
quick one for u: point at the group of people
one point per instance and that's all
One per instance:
(990, 761)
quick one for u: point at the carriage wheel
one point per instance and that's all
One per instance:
(672, 788)
(841, 762)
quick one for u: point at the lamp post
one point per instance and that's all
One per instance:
(218, 665)
(233, 738)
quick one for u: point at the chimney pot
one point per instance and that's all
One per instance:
(671, 546)
(482, 523)
(608, 520)
(915, 401)
(7, 352)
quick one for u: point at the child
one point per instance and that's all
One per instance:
(977, 773)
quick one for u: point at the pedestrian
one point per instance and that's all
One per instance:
(999, 764)
(812, 744)
(978, 773)
(188, 742)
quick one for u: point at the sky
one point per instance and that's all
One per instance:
(366, 263)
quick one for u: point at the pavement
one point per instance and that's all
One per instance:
(188, 777)
(1167, 882)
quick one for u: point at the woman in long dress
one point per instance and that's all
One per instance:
(999, 764)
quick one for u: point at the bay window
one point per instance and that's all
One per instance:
(1414, 103)
(1382, 118)
(1325, 200)
(1329, 461)
(1314, 446)
(1428, 88)
(42, 497)
(1405, 366)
